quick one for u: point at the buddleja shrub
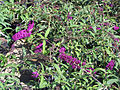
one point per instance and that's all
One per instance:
(79, 40)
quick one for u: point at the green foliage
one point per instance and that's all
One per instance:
(64, 23)
(3, 60)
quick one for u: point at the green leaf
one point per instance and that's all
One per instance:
(3, 23)
(94, 28)
(3, 60)
(42, 68)
(44, 44)
(41, 35)
(94, 54)
(30, 38)
(92, 33)
(65, 82)
(12, 1)
(4, 74)
(59, 71)
(47, 32)
(2, 86)
(108, 51)
(99, 69)
(74, 26)
(111, 81)
(113, 20)
(24, 51)
(13, 70)
(6, 28)
(43, 83)
(11, 65)
(26, 15)
(109, 29)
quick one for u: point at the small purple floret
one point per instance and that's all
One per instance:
(69, 17)
(90, 27)
(116, 28)
(110, 65)
(24, 33)
(69, 59)
(38, 50)
(98, 28)
(111, 5)
(117, 39)
(39, 46)
(91, 69)
(21, 34)
(62, 50)
(84, 63)
(35, 74)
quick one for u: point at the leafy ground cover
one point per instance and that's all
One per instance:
(60, 45)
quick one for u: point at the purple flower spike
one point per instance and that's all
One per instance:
(21, 34)
(91, 69)
(69, 58)
(110, 65)
(69, 17)
(87, 70)
(39, 46)
(78, 62)
(62, 50)
(71, 63)
(35, 74)
(90, 27)
(117, 39)
(41, 6)
(105, 4)
(98, 28)
(111, 5)
(78, 67)
(30, 26)
(101, 9)
(116, 28)
(63, 56)
(74, 59)
(106, 23)
(68, 61)
(84, 63)
(73, 66)
(38, 51)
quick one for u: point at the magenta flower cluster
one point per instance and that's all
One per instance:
(117, 39)
(98, 28)
(69, 59)
(84, 63)
(101, 9)
(116, 28)
(106, 24)
(90, 69)
(69, 17)
(38, 48)
(72, 60)
(110, 65)
(24, 33)
(41, 6)
(35, 74)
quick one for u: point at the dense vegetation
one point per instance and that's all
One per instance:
(60, 44)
